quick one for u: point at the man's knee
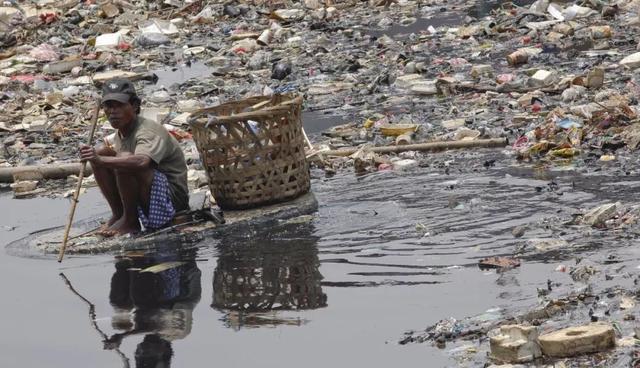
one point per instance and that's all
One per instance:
(125, 173)
(141, 175)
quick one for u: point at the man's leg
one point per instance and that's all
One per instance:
(106, 180)
(134, 188)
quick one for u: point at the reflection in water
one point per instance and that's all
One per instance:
(154, 294)
(257, 278)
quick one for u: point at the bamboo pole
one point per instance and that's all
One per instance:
(40, 172)
(94, 121)
(429, 146)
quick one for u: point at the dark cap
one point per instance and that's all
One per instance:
(120, 90)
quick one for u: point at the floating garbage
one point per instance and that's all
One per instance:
(577, 340)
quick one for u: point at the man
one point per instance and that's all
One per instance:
(143, 175)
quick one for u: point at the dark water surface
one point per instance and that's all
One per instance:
(385, 253)
(178, 75)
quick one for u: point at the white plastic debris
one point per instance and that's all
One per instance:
(160, 26)
(632, 61)
(290, 14)
(108, 41)
(542, 78)
(515, 344)
(600, 214)
(405, 164)
(556, 11)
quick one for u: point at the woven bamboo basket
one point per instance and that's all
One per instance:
(253, 150)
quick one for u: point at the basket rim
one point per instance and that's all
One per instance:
(263, 112)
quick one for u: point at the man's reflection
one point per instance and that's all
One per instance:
(154, 294)
(255, 278)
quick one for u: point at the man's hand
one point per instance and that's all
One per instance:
(88, 153)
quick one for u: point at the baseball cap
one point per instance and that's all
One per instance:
(120, 90)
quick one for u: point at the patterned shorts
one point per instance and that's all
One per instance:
(161, 209)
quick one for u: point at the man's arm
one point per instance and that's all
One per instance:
(131, 162)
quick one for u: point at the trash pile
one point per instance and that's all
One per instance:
(555, 79)
(588, 307)
(544, 335)
(183, 55)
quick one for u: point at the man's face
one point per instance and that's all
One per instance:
(120, 115)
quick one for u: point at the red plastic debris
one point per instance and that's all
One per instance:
(124, 46)
(180, 135)
(536, 107)
(385, 167)
(90, 56)
(26, 78)
(521, 143)
(48, 18)
(505, 78)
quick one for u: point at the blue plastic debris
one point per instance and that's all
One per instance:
(567, 123)
(287, 88)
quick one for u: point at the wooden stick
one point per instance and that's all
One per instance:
(306, 139)
(438, 145)
(94, 121)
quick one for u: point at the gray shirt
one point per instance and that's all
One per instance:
(153, 140)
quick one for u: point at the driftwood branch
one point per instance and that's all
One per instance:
(430, 146)
(40, 172)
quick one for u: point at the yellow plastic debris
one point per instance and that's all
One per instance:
(564, 152)
(394, 130)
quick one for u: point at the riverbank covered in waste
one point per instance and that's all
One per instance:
(553, 212)
(558, 86)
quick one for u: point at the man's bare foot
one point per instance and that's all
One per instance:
(121, 226)
(106, 233)
(104, 228)
(113, 219)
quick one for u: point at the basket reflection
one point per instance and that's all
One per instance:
(257, 279)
